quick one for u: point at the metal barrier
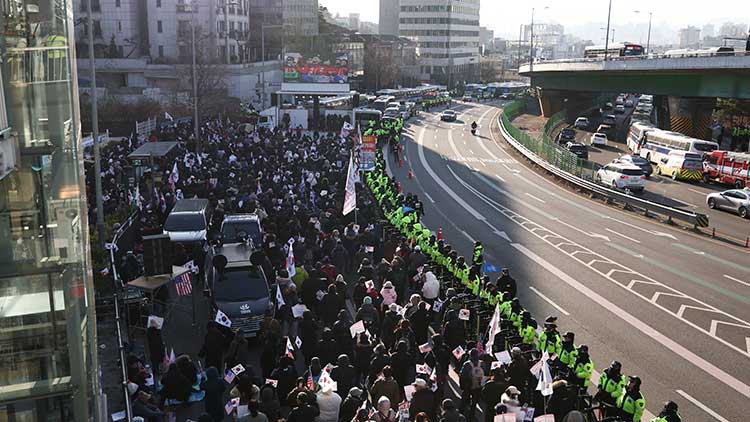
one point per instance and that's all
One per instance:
(124, 234)
(535, 151)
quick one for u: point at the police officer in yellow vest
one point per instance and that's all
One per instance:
(477, 256)
(568, 352)
(549, 340)
(668, 414)
(631, 403)
(612, 384)
(583, 368)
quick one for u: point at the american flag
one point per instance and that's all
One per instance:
(184, 284)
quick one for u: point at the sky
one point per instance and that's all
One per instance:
(504, 16)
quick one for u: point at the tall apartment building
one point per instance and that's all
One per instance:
(271, 14)
(161, 28)
(48, 362)
(119, 28)
(447, 34)
(389, 12)
(733, 30)
(690, 37)
(300, 17)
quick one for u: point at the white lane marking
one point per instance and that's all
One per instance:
(510, 169)
(548, 300)
(705, 408)
(641, 326)
(653, 232)
(498, 232)
(439, 181)
(614, 272)
(468, 236)
(622, 235)
(483, 163)
(429, 197)
(684, 203)
(594, 235)
(697, 191)
(738, 267)
(500, 177)
(534, 197)
(737, 280)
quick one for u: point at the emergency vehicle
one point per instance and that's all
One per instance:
(732, 168)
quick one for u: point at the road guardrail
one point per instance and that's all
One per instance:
(694, 219)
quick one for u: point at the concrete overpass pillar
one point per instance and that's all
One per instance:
(550, 101)
(691, 116)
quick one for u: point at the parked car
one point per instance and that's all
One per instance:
(637, 161)
(629, 103)
(237, 228)
(599, 139)
(609, 119)
(448, 116)
(621, 176)
(579, 150)
(238, 287)
(581, 123)
(734, 200)
(189, 221)
(619, 109)
(566, 135)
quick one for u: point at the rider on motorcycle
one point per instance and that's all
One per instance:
(473, 128)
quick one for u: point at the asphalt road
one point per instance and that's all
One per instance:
(689, 196)
(672, 306)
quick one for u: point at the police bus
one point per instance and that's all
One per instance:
(656, 145)
(613, 50)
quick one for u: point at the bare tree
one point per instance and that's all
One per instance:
(210, 74)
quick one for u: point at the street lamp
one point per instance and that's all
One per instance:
(263, 61)
(531, 39)
(613, 33)
(648, 41)
(606, 41)
(196, 130)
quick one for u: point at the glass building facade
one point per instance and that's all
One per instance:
(48, 366)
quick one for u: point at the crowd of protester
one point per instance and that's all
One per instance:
(385, 335)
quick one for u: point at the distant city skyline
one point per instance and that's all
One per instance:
(669, 16)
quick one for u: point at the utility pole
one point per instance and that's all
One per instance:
(648, 41)
(531, 43)
(196, 121)
(95, 131)
(226, 30)
(606, 40)
(520, 31)
(263, 61)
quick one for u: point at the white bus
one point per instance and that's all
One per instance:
(636, 135)
(657, 144)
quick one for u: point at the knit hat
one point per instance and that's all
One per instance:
(355, 392)
(393, 307)
(367, 300)
(388, 285)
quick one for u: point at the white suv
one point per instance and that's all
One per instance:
(622, 176)
(599, 139)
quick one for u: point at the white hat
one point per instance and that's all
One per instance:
(419, 382)
(512, 390)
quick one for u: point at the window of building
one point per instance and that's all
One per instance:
(117, 3)
(119, 26)
(161, 51)
(158, 27)
(158, 3)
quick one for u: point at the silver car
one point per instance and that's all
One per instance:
(734, 200)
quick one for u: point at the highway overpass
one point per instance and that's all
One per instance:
(688, 86)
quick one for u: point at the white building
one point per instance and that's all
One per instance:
(300, 17)
(161, 28)
(690, 37)
(447, 35)
(389, 12)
